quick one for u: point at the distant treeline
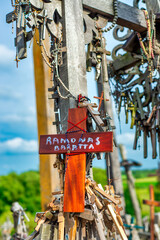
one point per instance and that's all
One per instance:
(25, 188)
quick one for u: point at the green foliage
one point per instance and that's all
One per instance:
(143, 173)
(23, 188)
(99, 176)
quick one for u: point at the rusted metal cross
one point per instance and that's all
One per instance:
(101, 99)
(152, 203)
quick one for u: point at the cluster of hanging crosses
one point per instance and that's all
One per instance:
(83, 208)
(133, 76)
(135, 81)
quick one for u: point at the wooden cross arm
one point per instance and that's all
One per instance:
(101, 50)
(151, 203)
(11, 17)
(128, 16)
(103, 99)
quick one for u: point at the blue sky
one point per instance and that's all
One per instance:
(18, 126)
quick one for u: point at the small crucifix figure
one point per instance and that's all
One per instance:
(152, 203)
(16, 60)
(101, 99)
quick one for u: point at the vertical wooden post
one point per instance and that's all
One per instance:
(151, 190)
(73, 70)
(108, 106)
(131, 185)
(49, 179)
(152, 203)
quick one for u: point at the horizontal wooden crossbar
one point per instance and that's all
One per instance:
(128, 16)
(76, 143)
(151, 203)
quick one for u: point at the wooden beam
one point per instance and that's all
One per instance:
(90, 142)
(49, 178)
(73, 70)
(128, 16)
(74, 188)
(151, 203)
(111, 158)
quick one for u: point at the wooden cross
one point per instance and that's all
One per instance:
(131, 226)
(152, 203)
(75, 144)
(73, 69)
(22, 36)
(101, 99)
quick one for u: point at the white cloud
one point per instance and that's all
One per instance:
(126, 138)
(18, 145)
(18, 118)
(6, 55)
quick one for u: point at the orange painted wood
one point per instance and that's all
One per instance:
(152, 203)
(151, 212)
(74, 189)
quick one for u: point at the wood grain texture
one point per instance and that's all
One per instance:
(152, 203)
(76, 115)
(128, 16)
(108, 107)
(74, 189)
(73, 69)
(76, 143)
(49, 176)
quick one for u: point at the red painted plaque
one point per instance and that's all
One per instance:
(76, 143)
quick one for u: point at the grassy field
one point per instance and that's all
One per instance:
(25, 189)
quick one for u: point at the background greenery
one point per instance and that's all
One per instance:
(25, 189)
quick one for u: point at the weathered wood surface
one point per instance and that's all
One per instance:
(49, 179)
(89, 142)
(124, 62)
(116, 222)
(128, 16)
(75, 116)
(152, 203)
(74, 189)
(73, 70)
(108, 107)
(20, 43)
(131, 186)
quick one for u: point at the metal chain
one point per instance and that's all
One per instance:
(55, 54)
(55, 62)
(115, 7)
(61, 96)
(44, 58)
(45, 51)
